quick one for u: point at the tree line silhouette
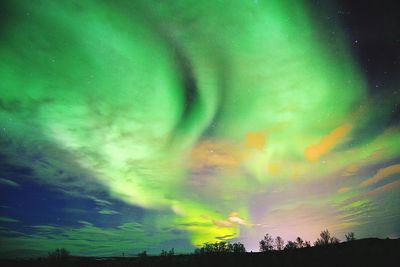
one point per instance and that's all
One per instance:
(268, 243)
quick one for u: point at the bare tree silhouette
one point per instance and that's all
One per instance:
(290, 245)
(326, 238)
(267, 243)
(299, 242)
(279, 243)
(350, 236)
(220, 247)
(58, 254)
(142, 254)
(334, 240)
(171, 252)
(238, 248)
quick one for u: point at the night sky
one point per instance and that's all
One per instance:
(147, 125)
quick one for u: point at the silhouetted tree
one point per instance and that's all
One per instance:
(279, 243)
(325, 236)
(171, 252)
(142, 254)
(325, 239)
(350, 236)
(307, 244)
(299, 242)
(220, 247)
(290, 245)
(58, 254)
(229, 247)
(238, 248)
(267, 243)
(334, 240)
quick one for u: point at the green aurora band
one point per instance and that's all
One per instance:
(277, 137)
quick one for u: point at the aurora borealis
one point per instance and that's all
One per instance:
(146, 125)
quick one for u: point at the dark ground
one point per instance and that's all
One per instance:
(365, 252)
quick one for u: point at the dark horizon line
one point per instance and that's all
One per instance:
(136, 255)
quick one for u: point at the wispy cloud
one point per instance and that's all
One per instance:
(88, 239)
(382, 174)
(8, 219)
(328, 142)
(108, 212)
(8, 182)
(343, 189)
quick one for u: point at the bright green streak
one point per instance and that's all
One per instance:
(101, 82)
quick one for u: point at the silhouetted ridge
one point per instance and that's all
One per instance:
(363, 252)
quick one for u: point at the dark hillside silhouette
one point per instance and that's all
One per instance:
(363, 252)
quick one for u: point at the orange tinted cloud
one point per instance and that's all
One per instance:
(382, 174)
(376, 191)
(343, 189)
(256, 140)
(234, 217)
(222, 223)
(384, 188)
(375, 155)
(314, 152)
(351, 169)
(212, 154)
